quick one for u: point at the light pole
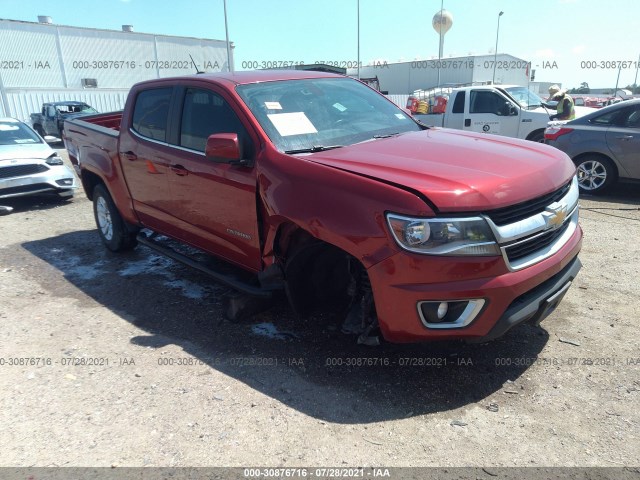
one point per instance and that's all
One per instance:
(495, 53)
(226, 30)
(358, 59)
(615, 91)
(440, 44)
(635, 81)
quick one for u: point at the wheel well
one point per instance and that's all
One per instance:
(534, 133)
(89, 182)
(598, 155)
(318, 275)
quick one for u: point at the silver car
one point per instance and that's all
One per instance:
(604, 145)
(28, 165)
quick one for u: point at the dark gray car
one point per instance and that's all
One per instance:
(604, 145)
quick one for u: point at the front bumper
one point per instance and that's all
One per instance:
(404, 280)
(58, 179)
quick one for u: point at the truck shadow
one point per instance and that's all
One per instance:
(308, 366)
(626, 193)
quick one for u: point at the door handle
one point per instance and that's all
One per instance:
(179, 170)
(467, 122)
(625, 137)
(129, 155)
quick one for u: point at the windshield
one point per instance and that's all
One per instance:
(14, 133)
(76, 108)
(525, 97)
(322, 112)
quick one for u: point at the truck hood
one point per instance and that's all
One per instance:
(580, 111)
(38, 151)
(457, 171)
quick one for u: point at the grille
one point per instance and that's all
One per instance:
(521, 250)
(22, 170)
(520, 211)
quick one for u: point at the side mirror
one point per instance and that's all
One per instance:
(224, 148)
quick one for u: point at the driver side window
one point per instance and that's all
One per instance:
(487, 102)
(205, 113)
(632, 118)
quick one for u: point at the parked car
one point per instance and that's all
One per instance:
(507, 110)
(50, 120)
(28, 165)
(321, 188)
(604, 145)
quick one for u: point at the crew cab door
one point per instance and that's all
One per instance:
(490, 112)
(144, 157)
(623, 139)
(50, 120)
(214, 204)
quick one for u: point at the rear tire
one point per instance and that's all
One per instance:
(40, 130)
(537, 137)
(112, 228)
(596, 174)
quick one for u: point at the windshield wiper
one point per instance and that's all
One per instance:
(315, 148)
(387, 135)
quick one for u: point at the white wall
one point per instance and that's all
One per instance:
(48, 63)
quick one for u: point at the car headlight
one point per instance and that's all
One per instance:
(54, 159)
(444, 236)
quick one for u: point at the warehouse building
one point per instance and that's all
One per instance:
(406, 77)
(44, 62)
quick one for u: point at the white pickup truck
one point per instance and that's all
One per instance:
(509, 110)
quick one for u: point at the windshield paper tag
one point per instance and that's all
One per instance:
(339, 106)
(400, 116)
(273, 105)
(295, 123)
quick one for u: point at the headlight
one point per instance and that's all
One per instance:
(54, 160)
(443, 236)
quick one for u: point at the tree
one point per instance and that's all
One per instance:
(584, 88)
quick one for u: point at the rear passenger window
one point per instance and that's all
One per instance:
(150, 113)
(205, 113)
(606, 119)
(458, 105)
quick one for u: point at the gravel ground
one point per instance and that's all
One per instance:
(129, 362)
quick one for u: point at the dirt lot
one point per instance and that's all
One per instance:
(129, 362)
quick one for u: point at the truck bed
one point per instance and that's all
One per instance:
(92, 136)
(109, 120)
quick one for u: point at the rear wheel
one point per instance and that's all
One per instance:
(537, 137)
(596, 174)
(112, 228)
(40, 130)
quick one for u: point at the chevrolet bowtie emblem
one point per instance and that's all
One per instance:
(554, 216)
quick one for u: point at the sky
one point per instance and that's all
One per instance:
(567, 41)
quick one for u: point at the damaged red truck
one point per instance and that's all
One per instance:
(320, 187)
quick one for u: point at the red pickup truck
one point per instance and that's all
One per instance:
(321, 188)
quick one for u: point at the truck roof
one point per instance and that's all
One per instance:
(67, 102)
(249, 76)
(486, 87)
